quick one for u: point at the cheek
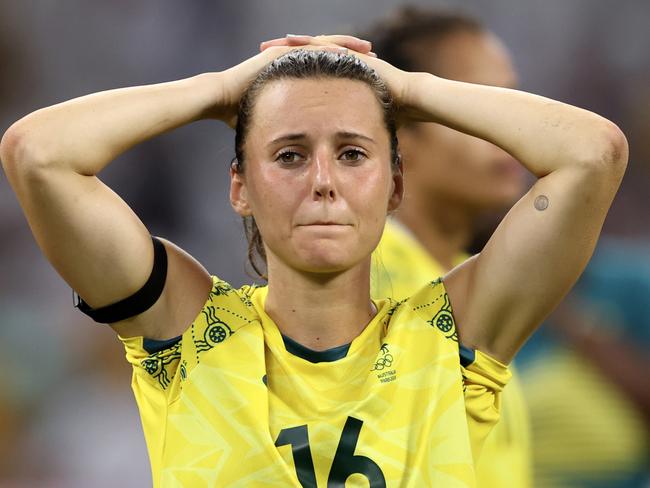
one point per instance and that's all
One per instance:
(274, 196)
(369, 193)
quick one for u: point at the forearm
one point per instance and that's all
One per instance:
(86, 133)
(543, 134)
(543, 244)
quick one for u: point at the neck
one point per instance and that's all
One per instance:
(443, 228)
(316, 310)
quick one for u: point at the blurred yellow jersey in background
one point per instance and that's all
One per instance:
(233, 403)
(400, 266)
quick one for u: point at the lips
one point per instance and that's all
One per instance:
(323, 223)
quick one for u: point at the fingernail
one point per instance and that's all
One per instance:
(295, 35)
(370, 53)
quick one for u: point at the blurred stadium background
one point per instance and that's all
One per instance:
(67, 416)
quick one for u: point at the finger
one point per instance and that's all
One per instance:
(331, 49)
(351, 42)
(280, 41)
(299, 39)
(289, 40)
(279, 50)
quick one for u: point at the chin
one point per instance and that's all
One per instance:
(324, 264)
(323, 255)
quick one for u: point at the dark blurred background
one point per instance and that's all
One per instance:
(67, 416)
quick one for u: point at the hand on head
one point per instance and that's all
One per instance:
(396, 79)
(333, 41)
(239, 77)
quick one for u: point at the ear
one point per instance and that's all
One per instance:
(412, 138)
(239, 193)
(398, 186)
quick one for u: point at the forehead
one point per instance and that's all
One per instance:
(320, 104)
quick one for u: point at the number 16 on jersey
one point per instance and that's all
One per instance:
(345, 463)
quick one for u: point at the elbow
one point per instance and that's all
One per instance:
(610, 153)
(9, 146)
(616, 152)
(19, 153)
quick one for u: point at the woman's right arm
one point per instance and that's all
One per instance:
(94, 240)
(88, 233)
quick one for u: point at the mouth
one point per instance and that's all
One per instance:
(323, 223)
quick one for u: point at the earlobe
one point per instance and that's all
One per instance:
(238, 194)
(397, 187)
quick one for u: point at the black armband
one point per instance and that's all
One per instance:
(141, 300)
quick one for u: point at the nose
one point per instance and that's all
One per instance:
(323, 177)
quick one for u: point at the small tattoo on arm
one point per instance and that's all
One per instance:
(541, 203)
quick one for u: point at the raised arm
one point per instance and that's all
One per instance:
(93, 239)
(541, 247)
(543, 244)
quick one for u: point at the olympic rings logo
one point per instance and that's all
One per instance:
(384, 362)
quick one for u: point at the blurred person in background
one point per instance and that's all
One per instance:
(451, 181)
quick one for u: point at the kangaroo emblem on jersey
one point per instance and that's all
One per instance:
(444, 321)
(217, 331)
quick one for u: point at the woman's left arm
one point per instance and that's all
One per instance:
(543, 244)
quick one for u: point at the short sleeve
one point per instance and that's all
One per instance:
(159, 367)
(155, 367)
(483, 381)
(155, 384)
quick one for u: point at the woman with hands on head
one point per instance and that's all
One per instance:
(307, 381)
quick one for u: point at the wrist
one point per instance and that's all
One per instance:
(415, 98)
(209, 88)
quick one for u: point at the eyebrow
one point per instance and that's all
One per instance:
(301, 136)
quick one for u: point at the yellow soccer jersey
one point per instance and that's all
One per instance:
(233, 403)
(400, 266)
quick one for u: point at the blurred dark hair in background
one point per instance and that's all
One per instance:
(399, 39)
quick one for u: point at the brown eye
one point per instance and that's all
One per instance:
(288, 157)
(353, 155)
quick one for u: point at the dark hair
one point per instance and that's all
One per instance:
(304, 64)
(394, 37)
